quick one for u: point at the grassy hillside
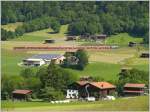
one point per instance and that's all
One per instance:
(10, 59)
(43, 34)
(105, 70)
(122, 39)
(104, 64)
(11, 26)
(140, 103)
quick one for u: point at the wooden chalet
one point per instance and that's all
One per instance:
(133, 89)
(93, 89)
(21, 94)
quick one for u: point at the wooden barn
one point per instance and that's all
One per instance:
(21, 94)
(145, 55)
(93, 89)
(49, 41)
(133, 89)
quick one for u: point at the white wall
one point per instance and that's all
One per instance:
(72, 94)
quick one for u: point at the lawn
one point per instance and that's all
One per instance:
(10, 59)
(105, 70)
(140, 103)
(11, 26)
(122, 39)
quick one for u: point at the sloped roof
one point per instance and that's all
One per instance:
(102, 85)
(81, 83)
(135, 85)
(22, 91)
(46, 56)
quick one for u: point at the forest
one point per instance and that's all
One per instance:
(93, 17)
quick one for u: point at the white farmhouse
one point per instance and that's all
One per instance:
(41, 59)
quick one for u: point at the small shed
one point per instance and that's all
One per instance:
(71, 38)
(125, 69)
(49, 41)
(101, 37)
(133, 89)
(145, 55)
(132, 44)
(21, 94)
(86, 78)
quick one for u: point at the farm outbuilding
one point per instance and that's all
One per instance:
(71, 38)
(132, 44)
(133, 89)
(92, 89)
(145, 55)
(125, 69)
(86, 78)
(41, 59)
(93, 37)
(49, 41)
(102, 36)
(21, 94)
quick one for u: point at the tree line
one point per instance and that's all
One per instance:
(83, 17)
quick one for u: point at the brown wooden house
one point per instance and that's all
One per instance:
(21, 94)
(133, 89)
(90, 89)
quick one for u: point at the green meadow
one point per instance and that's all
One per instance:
(10, 60)
(105, 64)
(43, 34)
(122, 39)
(140, 103)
